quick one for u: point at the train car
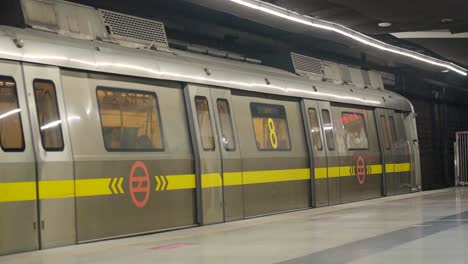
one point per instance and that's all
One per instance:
(99, 140)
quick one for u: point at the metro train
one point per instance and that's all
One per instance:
(101, 141)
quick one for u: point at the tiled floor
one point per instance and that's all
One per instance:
(427, 227)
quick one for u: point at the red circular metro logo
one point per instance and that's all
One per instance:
(361, 170)
(139, 184)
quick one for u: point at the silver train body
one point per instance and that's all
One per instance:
(101, 141)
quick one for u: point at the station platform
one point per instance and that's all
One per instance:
(426, 227)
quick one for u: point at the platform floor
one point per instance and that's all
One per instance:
(427, 227)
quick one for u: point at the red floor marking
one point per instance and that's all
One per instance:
(171, 246)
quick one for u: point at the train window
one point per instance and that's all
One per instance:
(355, 131)
(328, 128)
(393, 129)
(383, 125)
(204, 123)
(315, 129)
(225, 121)
(270, 126)
(11, 130)
(130, 120)
(48, 115)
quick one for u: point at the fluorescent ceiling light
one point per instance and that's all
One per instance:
(342, 30)
(385, 24)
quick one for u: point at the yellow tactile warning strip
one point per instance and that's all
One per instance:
(26, 191)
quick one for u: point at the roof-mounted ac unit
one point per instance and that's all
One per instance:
(328, 71)
(84, 22)
(64, 18)
(332, 72)
(366, 78)
(306, 66)
(377, 81)
(345, 73)
(131, 29)
(362, 78)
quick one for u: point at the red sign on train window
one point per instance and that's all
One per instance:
(139, 184)
(350, 117)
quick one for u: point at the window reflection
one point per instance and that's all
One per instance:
(130, 120)
(355, 131)
(11, 131)
(48, 115)
(51, 124)
(225, 121)
(204, 123)
(315, 129)
(328, 128)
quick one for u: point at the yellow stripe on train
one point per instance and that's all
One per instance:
(269, 176)
(402, 167)
(56, 189)
(17, 191)
(27, 191)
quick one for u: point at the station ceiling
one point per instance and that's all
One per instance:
(365, 15)
(448, 16)
(215, 22)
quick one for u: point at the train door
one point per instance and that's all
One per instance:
(54, 160)
(333, 157)
(403, 153)
(231, 166)
(317, 152)
(18, 199)
(387, 147)
(326, 164)
(208, 165)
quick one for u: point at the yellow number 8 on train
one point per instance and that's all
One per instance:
(273, 137)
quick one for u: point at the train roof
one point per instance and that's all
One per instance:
(29, 45)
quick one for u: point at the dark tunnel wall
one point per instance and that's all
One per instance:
(441, 112)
